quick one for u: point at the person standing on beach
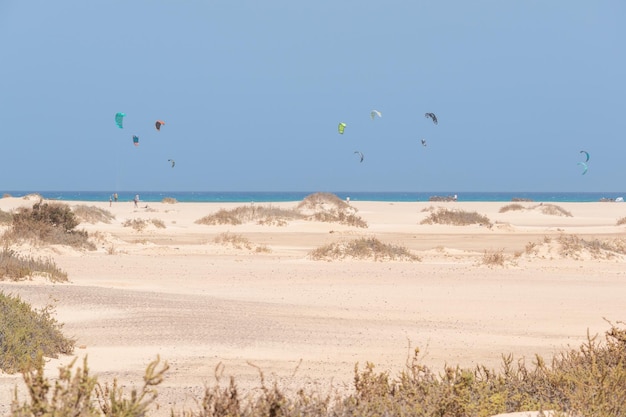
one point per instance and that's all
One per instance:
(136, 200)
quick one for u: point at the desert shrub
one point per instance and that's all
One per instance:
(493, 258)
(621, 221)
(5, 217)
(169, 200)
(265, 215)
(317, 201)
(553, 210)
(239, 242)
(6, 195)
(511, 207)
(456, 218)
(26, 334)
(363, 248)
(338, 217)
(93, 214)
(141, 224)
(15, 267)
(46, 223)
(574, 246)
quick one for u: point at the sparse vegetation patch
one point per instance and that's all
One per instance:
(47, 223)
(456, 218)
(15, 267)
(26, 334)
(93, 214)
(141, 224)
(238, 242)
(363, 248)
(511, 207)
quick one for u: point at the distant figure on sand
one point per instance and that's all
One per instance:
(110, 200)
(115, 197)
(136, 200)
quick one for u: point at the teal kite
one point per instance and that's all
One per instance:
(342, 127)
(119, 119)
(586, 154)
(375, 113)
(585, 167)
(135, 140)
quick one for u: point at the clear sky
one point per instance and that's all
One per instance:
(252, 93)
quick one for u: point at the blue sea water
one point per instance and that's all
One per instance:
(286, 196)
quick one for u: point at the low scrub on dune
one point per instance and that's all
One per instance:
(169, 200)
(6, 218)
(493, 258)
(621, 221)
(363, 248)
(265, 215)
(511, 207)
(47, 223)
(141, 224)
(577, 248)
(587, 381)
(15, 267)
(456, 218)
(26, 334)
(552, 210)
(238, 242)
(93, 214)
(320, 207)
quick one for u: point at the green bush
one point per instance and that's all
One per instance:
(27, 334)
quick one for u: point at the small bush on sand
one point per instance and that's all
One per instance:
(511, 207)
(17, 268)
(323, 201)
(621, 221)
(493, 258)
(25, 334)
(363, 248)
(141, 224)
(264, 215)
(553, 210)
(93, 214)
(169, 200)
(46, 223)
(456, 218)
(573, 246)
(5, 218)
(239, 242)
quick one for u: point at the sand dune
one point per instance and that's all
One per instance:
(171, 290)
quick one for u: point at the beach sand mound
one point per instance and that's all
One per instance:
(567, 246)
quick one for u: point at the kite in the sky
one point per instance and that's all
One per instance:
(586, 155)
(432, 116)
(341, 127)
(172, 162)
(119, 119)
(375, 113)
(360, 155)
(158, 124)
(135, 140)
(585, 167)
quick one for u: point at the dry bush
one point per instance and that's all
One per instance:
(573, 246)
(456, 218)
(141, 224)
(511, 207)
(239, 242)
(17, 268)
(621, 221)
(45, 223)
(93, 214)
(323, 201)
(169, 200)
(264, 215)
(553, 210)
(493, 258)
(338, 217)
(363, 248)
(6, 195)
(5, 217)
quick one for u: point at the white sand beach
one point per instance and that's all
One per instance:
(174, 292)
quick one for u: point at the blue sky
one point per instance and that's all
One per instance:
(252, 93)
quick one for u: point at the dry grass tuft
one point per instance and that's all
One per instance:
(493, 258)
(93, 214)
(5, 217)
(621, 221)
(18, 268)
(141, 224)
(363, 248)
(323, 202)
(239, 242)
(264, 215)
(169, 200)
(553, 210)
(456, 218)
(511, 207)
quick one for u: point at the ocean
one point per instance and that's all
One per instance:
(287, 196)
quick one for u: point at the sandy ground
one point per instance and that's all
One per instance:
(176, 293)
